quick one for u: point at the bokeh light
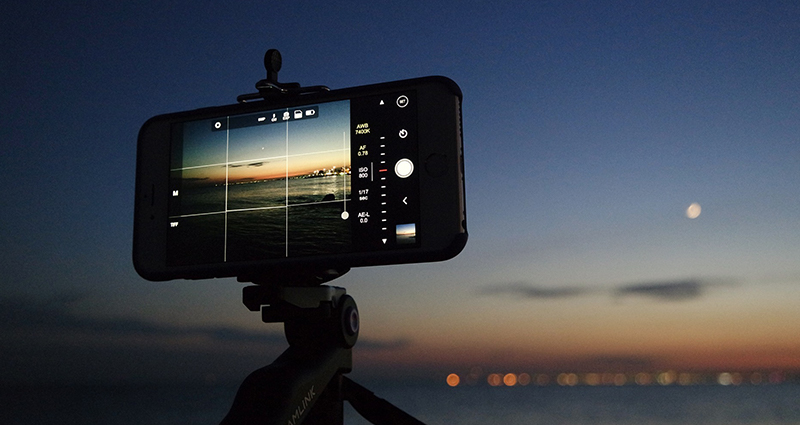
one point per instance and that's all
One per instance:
(667, 378)
(567, 379)
(453, 380)
(542, 379)
(643, 378)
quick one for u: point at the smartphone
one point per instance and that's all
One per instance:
(362, 176)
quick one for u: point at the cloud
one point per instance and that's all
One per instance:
(667, 290)
(56, 315)
(50, 341)
(255, 164)
(395, 344)
(670, 290)
(525, 290)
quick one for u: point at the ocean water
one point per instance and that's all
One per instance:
(259, 224)
(651, 405)
(430, 403)
(114, 404)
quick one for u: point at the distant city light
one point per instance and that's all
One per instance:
(453, 380)
(494, 379)
(642, 378)
(567, 379)
(542, 379)
(510, 379)
(618, 379)
(667, 378)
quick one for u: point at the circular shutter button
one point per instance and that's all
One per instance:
(403, 168)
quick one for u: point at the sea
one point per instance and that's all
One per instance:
(258, 223)
(431, 403)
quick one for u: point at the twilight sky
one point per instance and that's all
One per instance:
(589, 127)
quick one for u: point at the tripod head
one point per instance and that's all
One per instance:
(321, 324)
(313, 316)
(306, 384)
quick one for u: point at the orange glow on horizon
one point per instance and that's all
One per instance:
(683, 360)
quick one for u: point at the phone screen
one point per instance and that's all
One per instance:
(315, 179)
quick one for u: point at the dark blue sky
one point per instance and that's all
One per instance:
(589, 129)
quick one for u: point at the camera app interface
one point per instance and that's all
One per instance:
(324, 178)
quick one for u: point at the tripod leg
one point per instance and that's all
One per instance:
(287, 391)
(329, 408)
(373, 408)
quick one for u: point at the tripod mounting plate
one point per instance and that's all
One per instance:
(259, 297)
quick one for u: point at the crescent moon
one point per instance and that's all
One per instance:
(693, 211)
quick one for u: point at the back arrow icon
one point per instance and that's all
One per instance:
(404, 200)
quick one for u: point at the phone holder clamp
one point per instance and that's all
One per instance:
(270, 87)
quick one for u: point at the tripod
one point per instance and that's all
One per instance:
(306, 383)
